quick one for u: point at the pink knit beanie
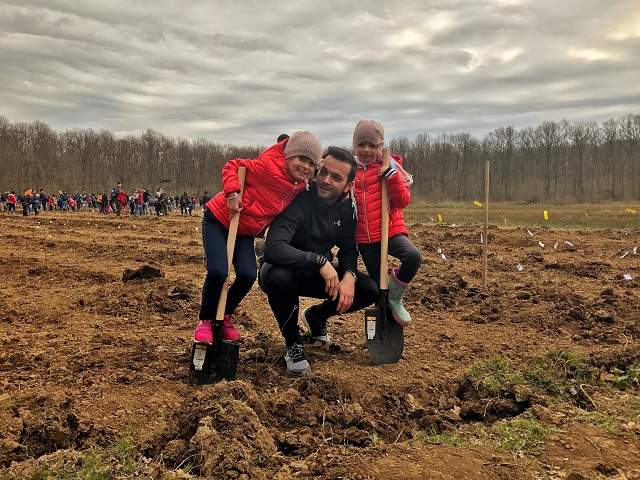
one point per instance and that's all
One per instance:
(304, 143)
(368, 131)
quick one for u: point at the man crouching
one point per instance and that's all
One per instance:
(298, 258)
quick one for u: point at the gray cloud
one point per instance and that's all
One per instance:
(245, 73)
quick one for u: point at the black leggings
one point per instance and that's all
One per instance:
(214, 240)
(284, 286)
(401, 248)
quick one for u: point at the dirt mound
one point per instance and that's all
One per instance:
(145, 272)
(221, 427)
(34, 427)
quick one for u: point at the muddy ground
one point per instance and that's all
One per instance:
(86, 359)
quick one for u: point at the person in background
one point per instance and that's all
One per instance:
(11, 201)
(205, 199)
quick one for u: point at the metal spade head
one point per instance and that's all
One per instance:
(215, 362)
(385, 338)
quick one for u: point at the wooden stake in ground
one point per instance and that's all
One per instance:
(485, 239)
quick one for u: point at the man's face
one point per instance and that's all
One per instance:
(332, 179)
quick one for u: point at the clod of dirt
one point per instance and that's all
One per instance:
(35, 271)
(295, 442)
(33, 467)
(180, 293)
(523, 295)
(620, 358)
(414, 407)
(576, 314)
(606, 469)
(145, 272)
(535, 257)
(609, 291)
(603, 316)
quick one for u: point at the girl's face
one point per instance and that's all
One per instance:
(300, 168)
(368, 152)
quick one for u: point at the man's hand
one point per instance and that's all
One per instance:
(331, 281)
(346, 290)
(234, 205)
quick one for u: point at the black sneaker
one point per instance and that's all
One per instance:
(297, 363)
(318, 336)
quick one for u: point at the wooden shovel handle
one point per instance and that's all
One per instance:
(384, 227)
(231, 246)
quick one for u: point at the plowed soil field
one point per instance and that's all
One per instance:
(536, 377)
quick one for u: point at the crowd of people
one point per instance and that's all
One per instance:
(32, 202)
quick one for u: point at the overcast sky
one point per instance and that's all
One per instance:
(242, 72)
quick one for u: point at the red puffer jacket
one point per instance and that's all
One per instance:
(368, 192)
(268, 190)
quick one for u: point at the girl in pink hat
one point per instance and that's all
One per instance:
(368, 142)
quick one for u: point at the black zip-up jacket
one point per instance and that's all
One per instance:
(308, 228)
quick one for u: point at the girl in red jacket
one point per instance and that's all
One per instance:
(368, 142)
(272, 182)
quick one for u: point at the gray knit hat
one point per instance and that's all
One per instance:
(368, 131)
(304, 143)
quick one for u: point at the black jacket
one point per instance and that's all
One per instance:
(307, 229)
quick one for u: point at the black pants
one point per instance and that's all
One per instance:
(214, 240)
(401, 248)
(284, 286)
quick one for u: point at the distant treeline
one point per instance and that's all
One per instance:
(34, 155)
(555, 161)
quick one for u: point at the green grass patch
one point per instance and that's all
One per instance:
(495, 374)
(584, 216)
(432, 437)
(557, 371)
(612, 415)
(603, 420)
(523, 435)
(627, 379)
(120, 460)
(555, 374)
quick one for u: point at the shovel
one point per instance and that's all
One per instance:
(385, 338)
(219, 361)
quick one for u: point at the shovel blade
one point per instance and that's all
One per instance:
(385, 338)
(212, 363)
(226, 361)
(200, 366)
